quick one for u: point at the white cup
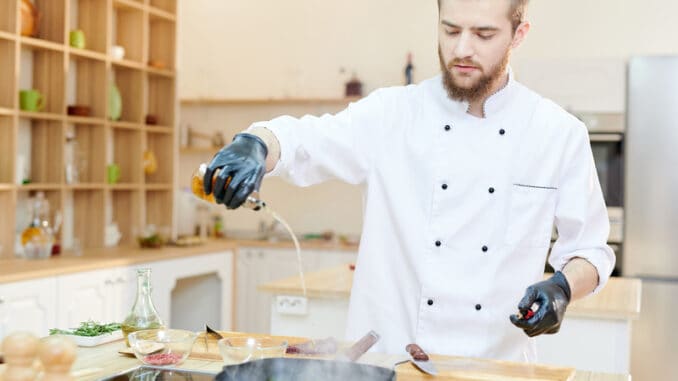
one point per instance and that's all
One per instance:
(117, 52)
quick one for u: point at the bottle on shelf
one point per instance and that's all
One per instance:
(143, 314)
(38, 238)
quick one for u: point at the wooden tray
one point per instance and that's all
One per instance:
(461, 368)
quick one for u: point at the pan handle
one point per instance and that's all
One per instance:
(363, 345)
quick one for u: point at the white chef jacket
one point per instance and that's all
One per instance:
(458, 210)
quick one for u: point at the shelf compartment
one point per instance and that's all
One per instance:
(54, 197)
(127, 155)
(43, 140)
(87, 85)
(7, 227)
(159, 208)
(169, 6)
(131, 87)
(162, 146)
(161, 102)
(128, 23)
(88, 217)
(7, 150)
(51, 20)
(126, 206)
(161, 54)
(8, 91)
(89, 155)
(8, 16)
(44, 70)
(90, 17)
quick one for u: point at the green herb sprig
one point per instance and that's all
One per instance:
(88, 328)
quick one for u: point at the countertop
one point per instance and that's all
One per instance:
(98, 362)
(17, 269)
(619, 299)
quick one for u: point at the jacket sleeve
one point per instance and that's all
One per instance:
(581, 215)
(342, 146)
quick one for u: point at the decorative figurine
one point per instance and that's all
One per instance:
(354, 88)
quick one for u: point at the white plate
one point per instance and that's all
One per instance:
(91, 341)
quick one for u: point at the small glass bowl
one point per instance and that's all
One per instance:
(236, 350)
(161, 347)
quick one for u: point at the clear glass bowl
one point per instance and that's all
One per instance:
(236, 350)
(162, 347)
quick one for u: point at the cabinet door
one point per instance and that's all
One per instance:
(121, 293)
(84, 296)
(28, 306)
(258, 266)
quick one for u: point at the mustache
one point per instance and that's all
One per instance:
(462, 62)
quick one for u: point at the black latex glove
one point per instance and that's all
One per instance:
(241, 166)
(552, 296)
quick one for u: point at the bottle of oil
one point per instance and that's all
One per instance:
(143, 314)
(253, 202)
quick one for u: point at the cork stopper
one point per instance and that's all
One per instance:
(20, 350)
(57, 354)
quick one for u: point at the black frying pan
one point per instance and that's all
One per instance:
(293, 369)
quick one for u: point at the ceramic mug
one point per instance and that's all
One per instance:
(117, 52)
(113, 173)
(31, 100)
(77, 39)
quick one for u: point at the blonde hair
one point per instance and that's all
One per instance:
(516, 11)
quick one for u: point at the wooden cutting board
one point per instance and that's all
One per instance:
(206, 348)
(467, 369)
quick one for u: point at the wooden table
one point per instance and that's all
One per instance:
(103, 361)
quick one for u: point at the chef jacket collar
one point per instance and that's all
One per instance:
(493, 104)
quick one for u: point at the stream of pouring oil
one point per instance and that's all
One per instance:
(198, 190)
(284, 223)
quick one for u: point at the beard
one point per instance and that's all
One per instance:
(477, 90)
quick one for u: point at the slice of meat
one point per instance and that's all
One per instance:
(416, 352)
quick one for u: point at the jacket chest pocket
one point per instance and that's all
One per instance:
(531, 213)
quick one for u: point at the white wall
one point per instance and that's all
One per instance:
(575, 54)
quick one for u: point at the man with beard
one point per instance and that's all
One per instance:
(463, 177)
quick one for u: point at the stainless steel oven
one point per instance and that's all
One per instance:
(608, 153)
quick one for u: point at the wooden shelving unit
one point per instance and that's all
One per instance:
(66, 75)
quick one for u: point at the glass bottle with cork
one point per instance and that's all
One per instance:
(143, 314)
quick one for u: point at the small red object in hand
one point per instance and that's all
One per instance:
(529, 314)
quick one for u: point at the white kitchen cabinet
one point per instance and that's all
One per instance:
(28, 306)
(184, 290)
(190, 304)
(256, 266)
(101, 296)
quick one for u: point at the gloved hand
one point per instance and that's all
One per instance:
(552, 296)
(241, 166)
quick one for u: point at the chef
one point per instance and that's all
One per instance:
(463, 178)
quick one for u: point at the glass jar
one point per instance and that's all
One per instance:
(143, 314)
(37, 239)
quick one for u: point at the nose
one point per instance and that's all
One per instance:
(464, 46)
